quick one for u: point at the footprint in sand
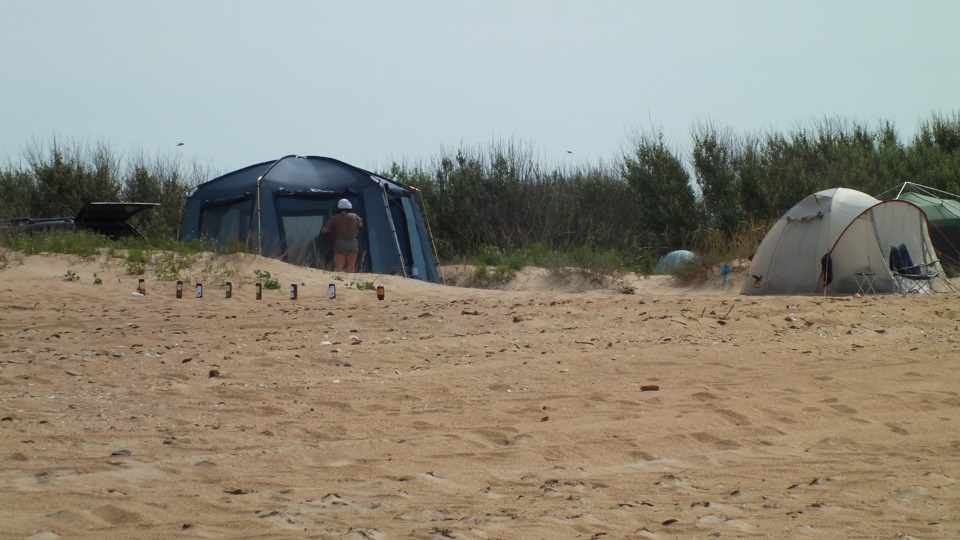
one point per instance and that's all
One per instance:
(644, 456)
(897, 429)
(329, 500)
(713, 519)
(914, 495)
(97, 517)
(281, 519)
(668, 480)
(841, 408)
(44, 535)
(734, 417)
(363, 534)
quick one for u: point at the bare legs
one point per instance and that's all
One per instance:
(346, 261)
(351, 262)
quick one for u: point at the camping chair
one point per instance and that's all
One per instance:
(908, 276)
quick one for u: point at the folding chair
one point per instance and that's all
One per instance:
(911, 277)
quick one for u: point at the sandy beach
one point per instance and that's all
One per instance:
(551, 408)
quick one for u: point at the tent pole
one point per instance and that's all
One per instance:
(393, 228)
(259, 190)
(259, 229)
(902, 188)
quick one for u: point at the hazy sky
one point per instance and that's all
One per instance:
(371, 82)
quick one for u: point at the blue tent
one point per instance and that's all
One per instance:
(277, 209)
(672, 260)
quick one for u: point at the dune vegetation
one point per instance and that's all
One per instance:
(499, 207)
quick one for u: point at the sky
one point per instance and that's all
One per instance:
(372, 82)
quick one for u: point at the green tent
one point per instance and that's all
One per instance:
(943, 214)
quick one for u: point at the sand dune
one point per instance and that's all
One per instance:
(548, 410)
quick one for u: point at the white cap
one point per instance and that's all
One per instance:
(344, 205)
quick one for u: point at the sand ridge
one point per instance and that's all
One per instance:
(448, 412)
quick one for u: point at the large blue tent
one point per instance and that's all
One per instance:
(277, 208)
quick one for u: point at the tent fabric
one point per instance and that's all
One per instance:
(788, 259)
(276, 208)
(867, 242)
(826, 240)
(944, 218)
(673, 260)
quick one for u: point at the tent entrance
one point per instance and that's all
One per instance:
(943, 214)
(301, 216)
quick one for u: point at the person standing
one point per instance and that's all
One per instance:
(345, 226)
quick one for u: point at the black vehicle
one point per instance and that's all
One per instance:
(110, 219)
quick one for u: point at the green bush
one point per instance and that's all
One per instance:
(169, 265)
(501, 208)
(483, 276)
(538, 254)
(268, 281)
(82, 244)
(136, 262)
(596, 265)
(362, 285)
(236, 246)
(489, 255)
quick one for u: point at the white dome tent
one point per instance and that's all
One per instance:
(831, 240)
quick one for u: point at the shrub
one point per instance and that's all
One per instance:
(236, 246)
(362, 285)
(136, 262)
(483, 276)
(168, 266)
(269, 282)
(82, 244)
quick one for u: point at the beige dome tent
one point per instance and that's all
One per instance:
(839, 241)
